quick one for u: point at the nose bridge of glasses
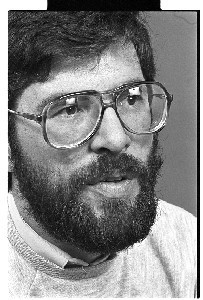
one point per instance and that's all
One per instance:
(108, 99)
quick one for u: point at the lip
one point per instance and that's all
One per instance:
(114, 188)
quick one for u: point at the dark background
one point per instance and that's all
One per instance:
(174, 38)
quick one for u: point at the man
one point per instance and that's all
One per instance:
(84, 117)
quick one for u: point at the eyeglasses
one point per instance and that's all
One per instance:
(71, 120)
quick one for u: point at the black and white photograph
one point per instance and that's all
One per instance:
(102, 154)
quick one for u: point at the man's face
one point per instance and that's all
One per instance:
(98, 197)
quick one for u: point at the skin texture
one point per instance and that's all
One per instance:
(118, 65)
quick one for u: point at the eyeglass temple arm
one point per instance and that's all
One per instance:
(35, 118)
(170, 100)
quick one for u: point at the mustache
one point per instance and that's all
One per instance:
(109, 165)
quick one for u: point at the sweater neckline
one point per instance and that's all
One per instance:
(41, 264)
(40, 245)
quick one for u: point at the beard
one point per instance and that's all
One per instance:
(62, 208)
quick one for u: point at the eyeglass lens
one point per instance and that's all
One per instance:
(141, 107)
(72, 119)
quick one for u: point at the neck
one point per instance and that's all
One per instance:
(23, 209)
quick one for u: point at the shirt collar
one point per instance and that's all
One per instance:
(41, 246)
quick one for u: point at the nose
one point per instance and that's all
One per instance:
(111, 135)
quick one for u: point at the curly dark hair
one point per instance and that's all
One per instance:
(36, 37)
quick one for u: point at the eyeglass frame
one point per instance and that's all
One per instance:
(41, 119)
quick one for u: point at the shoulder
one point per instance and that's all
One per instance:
(176, 228)
(169, 252)
(20, 274)
(176, 216)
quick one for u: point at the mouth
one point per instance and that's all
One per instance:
(115, 177)
(114, 185)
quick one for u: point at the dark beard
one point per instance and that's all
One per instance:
(63, 211)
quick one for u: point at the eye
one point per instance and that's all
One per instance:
(70, 110)
(64, 108)
(67, 111)
(70, 107)
(133, 98)
(135, 94)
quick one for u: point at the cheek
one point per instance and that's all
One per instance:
(140, 146)
(33, 145)
(30, 138)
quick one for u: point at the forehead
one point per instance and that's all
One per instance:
(119, 64)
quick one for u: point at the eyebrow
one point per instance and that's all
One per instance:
(55, 96)
(48, 100)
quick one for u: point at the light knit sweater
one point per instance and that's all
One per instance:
(163, 265)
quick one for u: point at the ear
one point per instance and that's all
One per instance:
(10, 163)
